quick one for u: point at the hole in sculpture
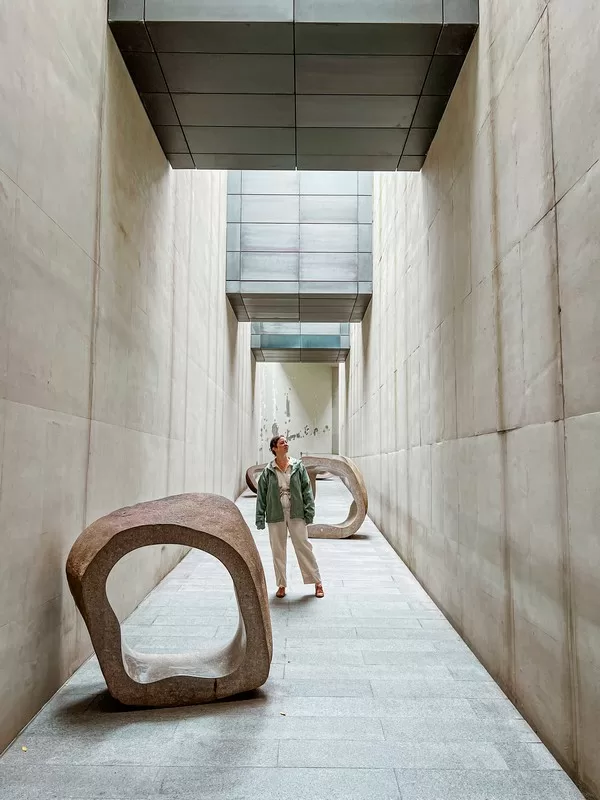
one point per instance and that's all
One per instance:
(190, 625)
(333, 503)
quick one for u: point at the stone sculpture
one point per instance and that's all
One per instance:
(212, 524)
(354, 482)
(253, 474)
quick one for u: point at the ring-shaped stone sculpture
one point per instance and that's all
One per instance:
(204, 521)
(353, 480)
(253, 474)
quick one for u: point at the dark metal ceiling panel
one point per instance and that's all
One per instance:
(359, 85)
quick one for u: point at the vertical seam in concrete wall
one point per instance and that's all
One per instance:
(173, 313)
(573, 667)
(187, 335)
(407, 483)
(510, 677)
(96, 280)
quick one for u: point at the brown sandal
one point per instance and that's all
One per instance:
(280, 592)
(319, 591)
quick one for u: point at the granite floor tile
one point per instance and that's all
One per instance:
(452, 659)
(470, 672)
(485, 785)
(527, 756)
(279, 784)
(414, 755)
(157, 629)
(94, 746)
(301, 622)
(239, 726)
(442, 730)
(317, 688)
(308, 656)
(413, 631)
(418, 687)
(67, 782)
(494, 708)
(389, 671)
(365, 645)
(438, 624)
(302, 632)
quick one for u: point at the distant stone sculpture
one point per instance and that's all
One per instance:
(253, 474)
(209, 523)
(354, 482)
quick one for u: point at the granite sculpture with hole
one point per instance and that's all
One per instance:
(204, 521)
(351, 476)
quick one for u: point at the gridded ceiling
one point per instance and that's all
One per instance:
(299, 245)
(295, 84)
(325, 343)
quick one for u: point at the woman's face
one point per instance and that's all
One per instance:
(282, 447)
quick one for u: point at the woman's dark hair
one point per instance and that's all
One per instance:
(273, 443)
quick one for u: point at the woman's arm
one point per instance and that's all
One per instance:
(307, 496)
(261, 501)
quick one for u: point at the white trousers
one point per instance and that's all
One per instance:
(302, 546)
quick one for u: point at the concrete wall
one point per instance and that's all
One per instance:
(123, 373)
(473, 388)
(295, 401)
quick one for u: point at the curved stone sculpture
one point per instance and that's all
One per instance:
(253, 474)
(354, 482)
(209, 523)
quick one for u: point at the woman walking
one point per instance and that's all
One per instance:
(285, 500)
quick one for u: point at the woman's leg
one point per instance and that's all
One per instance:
(304, 551)
(278, 540)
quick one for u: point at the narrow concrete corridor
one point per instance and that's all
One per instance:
(372, 695)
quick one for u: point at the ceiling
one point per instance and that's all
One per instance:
(295, 84)
(327, 343)
(299, 245)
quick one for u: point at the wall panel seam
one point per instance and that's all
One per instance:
(573, 666)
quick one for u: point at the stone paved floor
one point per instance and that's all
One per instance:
(371, 695)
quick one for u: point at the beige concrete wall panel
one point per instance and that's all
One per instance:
(536, 507)
(481, 190)
(8, 205)
(574, 71)
(507, 27)
(523, 170)
(41, 505)
(449, 403)
(39, 148)
(583, 482)
(464, 354)
(529, 329)
(485, 357)
(579, 270)
(49, 315)
(461, 240)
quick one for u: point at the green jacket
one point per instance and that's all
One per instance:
(268, 504)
